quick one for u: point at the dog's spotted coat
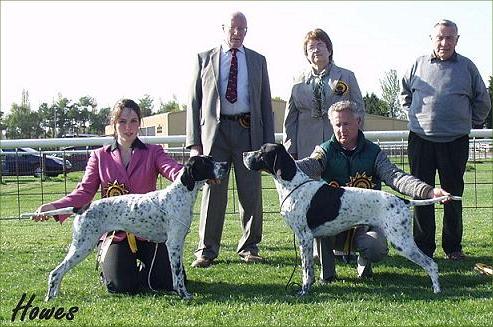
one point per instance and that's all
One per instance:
(313, 209)
(160, 216)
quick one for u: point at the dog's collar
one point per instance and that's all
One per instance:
(298, 186)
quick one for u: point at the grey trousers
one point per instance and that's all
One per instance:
(369, 242)
(230, 143)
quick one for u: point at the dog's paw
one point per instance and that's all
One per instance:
(304, 291)
(184, 294)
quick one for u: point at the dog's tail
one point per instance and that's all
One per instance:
(417, 203)
(61, 211)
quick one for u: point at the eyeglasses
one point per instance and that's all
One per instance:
(316, 46)
(447, 38)
(236, 29)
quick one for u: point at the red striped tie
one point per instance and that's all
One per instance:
(231, 92)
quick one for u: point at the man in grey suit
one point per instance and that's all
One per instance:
(230, 111)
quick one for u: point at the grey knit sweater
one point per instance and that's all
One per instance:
(444, 98)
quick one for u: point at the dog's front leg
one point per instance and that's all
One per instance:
(175, 252)
(305, 238)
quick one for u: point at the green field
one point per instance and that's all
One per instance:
(237, 294)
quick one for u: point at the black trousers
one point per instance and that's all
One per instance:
(449, 159)
(122, 275)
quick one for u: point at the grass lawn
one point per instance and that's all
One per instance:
(237, 294)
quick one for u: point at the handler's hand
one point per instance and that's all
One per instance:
(213, 181)
(195, 150)
(41, 209)
(438, 192)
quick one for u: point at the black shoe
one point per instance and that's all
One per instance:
(456, 256)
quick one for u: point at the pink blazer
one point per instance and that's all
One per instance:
(105, 167)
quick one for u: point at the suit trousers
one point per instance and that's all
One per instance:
(450, 159)
(230, 143)
(368, 241)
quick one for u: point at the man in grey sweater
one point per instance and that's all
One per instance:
(445, 96)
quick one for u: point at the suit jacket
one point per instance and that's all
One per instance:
(302, 132)
(204, 108)
(105, 167)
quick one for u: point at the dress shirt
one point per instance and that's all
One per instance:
(242, 105)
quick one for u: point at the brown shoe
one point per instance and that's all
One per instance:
(456, 256)
(484, 269)
(252, 258)
(202, 262)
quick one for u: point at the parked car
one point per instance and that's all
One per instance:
(27, 162)
(78, 155)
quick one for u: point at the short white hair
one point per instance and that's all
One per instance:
(347, 105)
(448, 23)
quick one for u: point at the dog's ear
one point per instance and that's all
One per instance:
(284, 165)
(201, 168)
(187, 177)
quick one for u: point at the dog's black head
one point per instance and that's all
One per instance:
(272, 158)
(201, 168)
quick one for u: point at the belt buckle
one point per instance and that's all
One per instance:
(245, 121)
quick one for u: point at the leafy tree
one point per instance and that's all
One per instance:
(390, 93)
(64, 116)
(171, 106)
(22, 123)
(98, 119)
(47, 119)
(72, 114)
(85, 107)
(278, 98)
(375, 105)
(490, 90)
(87, 101)
(146, 105)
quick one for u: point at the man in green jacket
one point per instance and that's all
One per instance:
(348, 159)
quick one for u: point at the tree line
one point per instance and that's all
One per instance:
(83, 116)
(64, 117)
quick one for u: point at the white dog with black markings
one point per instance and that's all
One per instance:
(159, 216)
(313, 208)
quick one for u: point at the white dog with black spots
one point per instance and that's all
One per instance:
(313, 208)
(159, 216)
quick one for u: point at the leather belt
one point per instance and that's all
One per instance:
(235, 117)
(243, 119)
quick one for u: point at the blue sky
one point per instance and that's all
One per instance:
(114, 49)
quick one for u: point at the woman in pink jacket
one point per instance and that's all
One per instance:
(125, 166)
